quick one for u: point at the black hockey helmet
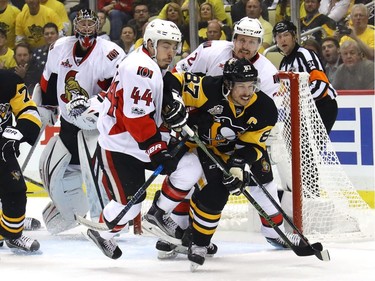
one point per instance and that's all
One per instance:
(284, 26)
(239, 70)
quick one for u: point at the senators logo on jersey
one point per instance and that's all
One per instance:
(145, 72)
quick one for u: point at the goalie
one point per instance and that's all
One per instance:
(77, 69)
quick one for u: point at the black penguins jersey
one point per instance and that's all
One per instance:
(233, 129)
(15, 101)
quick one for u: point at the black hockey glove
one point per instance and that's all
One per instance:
(159, 154)
(175, 116)
(239, 178)
(10, 143)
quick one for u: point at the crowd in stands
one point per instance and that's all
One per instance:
(344, 41)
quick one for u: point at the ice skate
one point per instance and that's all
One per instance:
(108, 247)
(279, 243)
(197, 255)
(159, 218)
(31, 224)
(23, 243)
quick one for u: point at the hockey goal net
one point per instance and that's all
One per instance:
(325, 203)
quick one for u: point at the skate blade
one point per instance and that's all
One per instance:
(156, 231)
(194, 266)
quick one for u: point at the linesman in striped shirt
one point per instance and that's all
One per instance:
(299, 59)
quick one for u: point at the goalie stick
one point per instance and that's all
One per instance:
(136, 196)
(306, 250)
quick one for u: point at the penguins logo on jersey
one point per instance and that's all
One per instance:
(217, 109)
(4, 114)
(36, 32)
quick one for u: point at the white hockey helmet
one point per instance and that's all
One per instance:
(248, 27)
(158, 29)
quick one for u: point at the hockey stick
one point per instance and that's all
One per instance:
(30, 180)
(31, 151)
(307, 250)
(136, 196)
(317, 248)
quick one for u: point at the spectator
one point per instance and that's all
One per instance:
(313, 45)
(282, 11)
(60, 10)
(206, 14)
(355, 73)
(254, 11)
(215, 31)
(22, 56)
(331, 56)
(173, 13)
(238, 10)
(30, 22)
(371, 16)
(39, 56)
(141, 16)
(315, 19)
(360, 31)
(8, 21)
(163, 12)
(127, 39)
(335, 9)
(118, 12)
(6, 54)
(218, 7)
(102, 20)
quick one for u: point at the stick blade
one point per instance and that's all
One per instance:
(91, 224)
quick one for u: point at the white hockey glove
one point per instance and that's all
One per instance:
(48, 114)
(239, 178)
(10, 143)
(82, 115)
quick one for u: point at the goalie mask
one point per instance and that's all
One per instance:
(86, 27)
(239, 70)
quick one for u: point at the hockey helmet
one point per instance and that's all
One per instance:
(86, 27)
(158, 29)
(249, 27)
(239, 70)
(284, 26)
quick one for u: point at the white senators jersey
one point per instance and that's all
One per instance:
(131, 112)
(209, 59)
(80, 76)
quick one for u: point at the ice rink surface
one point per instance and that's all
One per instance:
(241, 256)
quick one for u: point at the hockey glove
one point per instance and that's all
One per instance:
(10, 143)
(240, 176)
(77, 106)
(175, 116)
(159, 154)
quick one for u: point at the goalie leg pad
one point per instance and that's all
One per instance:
(54, 221)
(63, 182)
(96, 194)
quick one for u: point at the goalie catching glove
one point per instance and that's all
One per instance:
(175, 115)
(239, 178)
(10, 143)
(82, 115)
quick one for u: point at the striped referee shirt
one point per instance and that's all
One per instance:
(303, 60)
